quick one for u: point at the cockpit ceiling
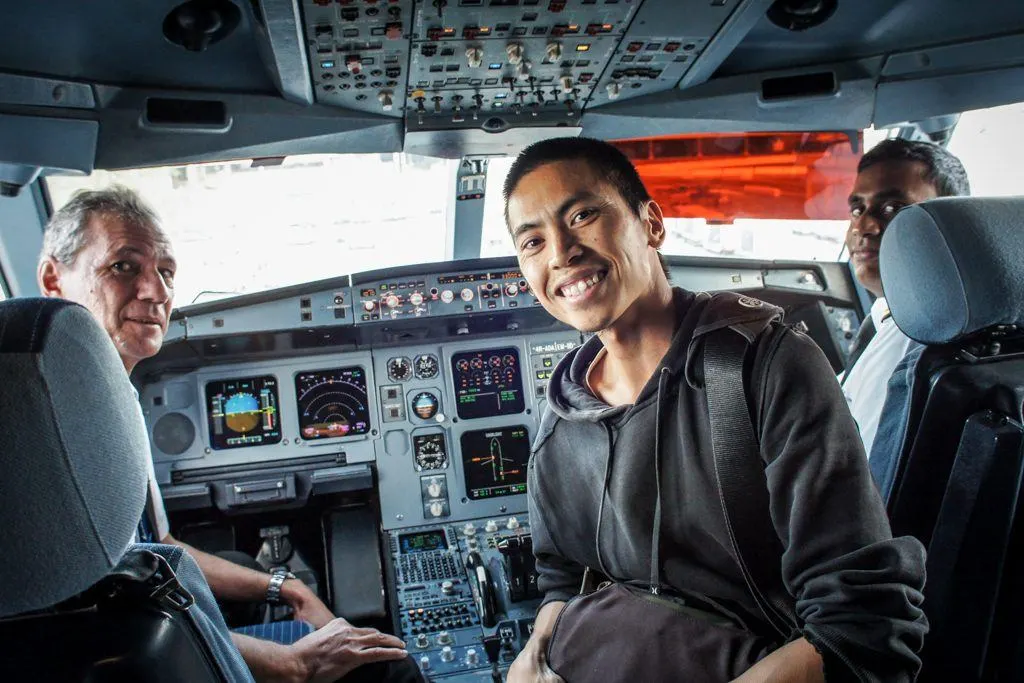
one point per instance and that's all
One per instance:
(454, 77)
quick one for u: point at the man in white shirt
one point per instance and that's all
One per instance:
(106, 251)
(894, 174)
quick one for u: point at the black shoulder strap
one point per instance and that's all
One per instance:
(742, 487)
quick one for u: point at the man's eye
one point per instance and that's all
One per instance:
(583, 215)
(890, 210)
(529, 244)
(123, 267)
(168, 275)
(856, 212)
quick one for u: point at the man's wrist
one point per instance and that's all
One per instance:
(293, 591)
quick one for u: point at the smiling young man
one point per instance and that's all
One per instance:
(106, 251)
(894, 174)
(628, 425)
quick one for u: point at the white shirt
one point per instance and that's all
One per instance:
(866, 386)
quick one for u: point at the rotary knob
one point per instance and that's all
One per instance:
(447, 587)
(443, 638)
(425, 663)
(436, 509)
(512, 523)
(392, 301)
(491, 526)
(472, 658)
(416, 298)
(469, 529)
(447, 296)
(466, 294)
(422, 641)
(369, 306)
(447, 654)
(434, 489)
(511, 289)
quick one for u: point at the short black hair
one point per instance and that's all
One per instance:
(942, 169)
(606, 160)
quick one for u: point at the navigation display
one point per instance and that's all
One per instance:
(332, 403)
(487, 383)
(494, 461)
(243, 412)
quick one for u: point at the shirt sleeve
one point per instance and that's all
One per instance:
(558, 578)
(858, 590)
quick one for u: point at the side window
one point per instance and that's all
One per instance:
(989, 144)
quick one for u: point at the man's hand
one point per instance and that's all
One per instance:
(333, 651)
(306, 605)
(531, 666)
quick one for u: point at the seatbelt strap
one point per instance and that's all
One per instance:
(865, 333)
(742, 487)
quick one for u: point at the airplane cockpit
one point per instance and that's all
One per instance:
(356, 365)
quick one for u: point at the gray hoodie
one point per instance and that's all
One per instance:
(856, 589)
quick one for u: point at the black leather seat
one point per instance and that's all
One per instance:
(950, 451)
(78, 600)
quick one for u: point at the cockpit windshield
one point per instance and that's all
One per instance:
(247, 226)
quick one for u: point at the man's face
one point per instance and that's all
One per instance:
(124, 275)
(587, 256)
(878, 193)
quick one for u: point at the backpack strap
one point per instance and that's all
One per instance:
(742, 488)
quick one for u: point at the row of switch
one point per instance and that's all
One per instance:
(491, 526)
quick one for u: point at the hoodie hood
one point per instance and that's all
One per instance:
(697, 313)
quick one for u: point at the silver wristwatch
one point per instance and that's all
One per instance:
(278, 577)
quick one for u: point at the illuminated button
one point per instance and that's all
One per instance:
(547, 362)
(512, 523)
(466, 294)
(447, 296)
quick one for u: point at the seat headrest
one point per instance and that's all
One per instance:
(954, 266)
(72, 449)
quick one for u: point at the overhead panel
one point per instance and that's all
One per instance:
(359, 53)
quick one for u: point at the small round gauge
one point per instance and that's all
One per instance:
(495, 361)
(426, 366)
(399, 369)
(430, 451)
(462, 365)
(508, 359)
(425, 405)
(476, 363)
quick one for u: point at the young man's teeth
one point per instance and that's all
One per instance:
(581, 286)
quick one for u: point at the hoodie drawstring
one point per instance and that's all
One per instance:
(604, 494)
(656, 535)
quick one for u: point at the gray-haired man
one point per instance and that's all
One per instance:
(106, 251)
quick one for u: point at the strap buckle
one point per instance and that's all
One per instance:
(169, 593)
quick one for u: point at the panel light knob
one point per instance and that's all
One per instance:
(447, 654)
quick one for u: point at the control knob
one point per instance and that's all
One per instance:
(386, 101)
(434, 489)
(491, 526)
(447, 654)
(469, 529)
(511, 289)
(443, 638)
(422, 641)
(513, 523)
(416, 298)
(472, 658)
(474, 57)
(425, 663)
(369, 306)
(436, 509)
(447, 587)
(466, 294)
(392, 301)
(614, 90)
(447, 296)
